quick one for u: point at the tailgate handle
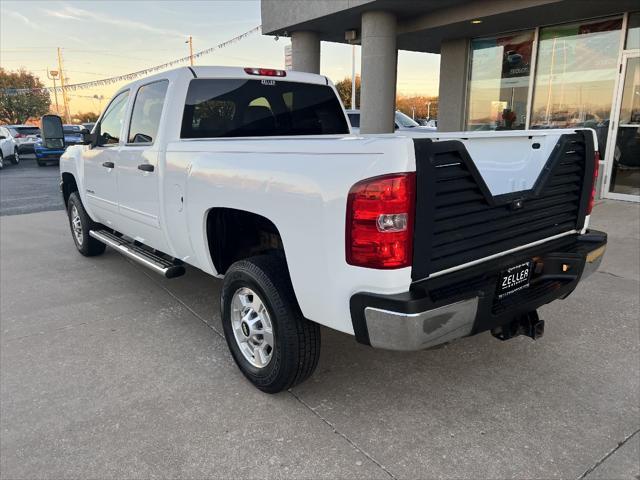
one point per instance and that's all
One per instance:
(145, 167)
(108, 164)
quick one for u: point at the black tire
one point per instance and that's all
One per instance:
(15, 158)
(86, 245)
(42, 163)
(296, 351)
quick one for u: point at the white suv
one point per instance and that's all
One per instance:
(8, 147)
(25, 136)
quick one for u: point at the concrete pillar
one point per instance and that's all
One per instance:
(305, 51)
(454, 72)
(379, 72)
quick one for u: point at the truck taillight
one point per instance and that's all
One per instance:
(596, 167)
(265, 72)
(380, 213)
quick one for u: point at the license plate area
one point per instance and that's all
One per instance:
(514, 279)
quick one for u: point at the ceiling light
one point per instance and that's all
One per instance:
(476, 21)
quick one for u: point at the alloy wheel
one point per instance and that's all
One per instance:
(252, 327)
(76, 225)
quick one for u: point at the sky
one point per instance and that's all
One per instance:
(100, 39)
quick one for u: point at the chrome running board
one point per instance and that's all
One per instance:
(157, 263)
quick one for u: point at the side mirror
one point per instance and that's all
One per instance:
(51, 131)
(91, 138)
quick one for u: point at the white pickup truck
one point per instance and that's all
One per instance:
(406, 243)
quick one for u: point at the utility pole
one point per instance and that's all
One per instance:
(63, 81)
(54, 74)
(190, 42)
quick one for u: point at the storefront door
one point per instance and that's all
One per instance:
(623, 154)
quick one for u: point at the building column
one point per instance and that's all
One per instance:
(305, 51)
(379, 72)
(452, 96)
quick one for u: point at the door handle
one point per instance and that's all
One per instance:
(146, 167)
(108, 164)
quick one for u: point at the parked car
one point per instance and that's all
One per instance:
(8, 148)
(73, 135)
(404, 242)
(25, 137)
(89, 126)
(403, 123)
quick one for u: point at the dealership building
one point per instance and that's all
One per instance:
(504, 65)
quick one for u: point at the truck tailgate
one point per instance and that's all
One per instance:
(460, 222)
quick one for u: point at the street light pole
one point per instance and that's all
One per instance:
(54, 74)
(353, 77)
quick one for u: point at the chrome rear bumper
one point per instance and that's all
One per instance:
(424, 317)
(416, 331)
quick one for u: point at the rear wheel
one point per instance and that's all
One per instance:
(15, 159)
(81, 224)
(274, 346)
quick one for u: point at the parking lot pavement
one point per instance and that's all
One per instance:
(27, 188)
(110, 371)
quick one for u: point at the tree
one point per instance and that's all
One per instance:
(421, 105)
(18, 107)
(85, 117)
(344, 90)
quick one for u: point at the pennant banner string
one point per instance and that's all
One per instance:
(133, 75)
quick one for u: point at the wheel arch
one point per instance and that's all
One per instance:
(68, 186)
(233, 234)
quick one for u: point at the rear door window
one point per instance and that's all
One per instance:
(262, 108)
(147, 109)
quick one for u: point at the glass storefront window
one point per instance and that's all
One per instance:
(575, 76)
(633, 37)
(625, 174)
(499, 84)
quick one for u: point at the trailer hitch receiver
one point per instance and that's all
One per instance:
(528, 324)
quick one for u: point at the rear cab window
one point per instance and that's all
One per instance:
(25, 130)
(260, 108)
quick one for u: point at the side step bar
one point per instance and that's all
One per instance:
(143, 256)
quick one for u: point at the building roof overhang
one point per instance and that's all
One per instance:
(424, 25)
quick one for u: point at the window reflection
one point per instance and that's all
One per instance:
(499, 85)
(625, 175)
(633, 36)
(575, 76)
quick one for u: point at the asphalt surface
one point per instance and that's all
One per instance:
(27, 188)
(108, 371)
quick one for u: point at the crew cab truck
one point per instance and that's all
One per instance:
(406, 243)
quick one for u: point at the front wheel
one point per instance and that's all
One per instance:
(80, 224)
(274, 346)
(41, 163)
(15, 159)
